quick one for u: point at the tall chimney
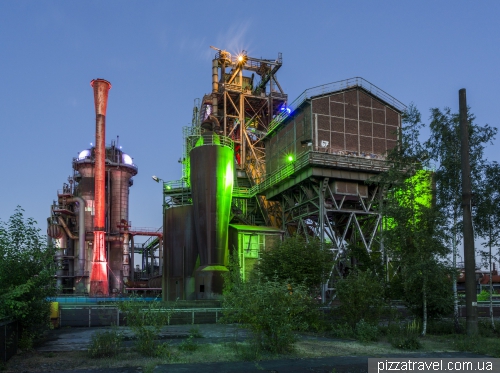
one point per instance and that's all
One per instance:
(99, 275)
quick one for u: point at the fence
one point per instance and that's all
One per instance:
(9, 337)
(102, 315)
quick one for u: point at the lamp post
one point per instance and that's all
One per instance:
(163, 261)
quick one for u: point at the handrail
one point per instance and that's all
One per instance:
(338, 160)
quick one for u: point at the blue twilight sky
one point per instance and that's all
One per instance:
(156, 55)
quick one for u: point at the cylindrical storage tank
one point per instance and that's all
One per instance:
(180, 254)
(84, 165)
(212, 170)
(121, 171)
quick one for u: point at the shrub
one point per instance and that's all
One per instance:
(405, 336)
(146, 320)
(195, 332)
(189, 344)
(27, 281)
(361, 298)
(105, 344)
(366, 332)
(297, 262)
(342, 330)
(272, 309)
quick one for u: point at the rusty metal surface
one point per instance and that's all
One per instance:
(180, 250)
(119, 203)
(98, 277)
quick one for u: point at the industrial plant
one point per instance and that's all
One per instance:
(255, 169)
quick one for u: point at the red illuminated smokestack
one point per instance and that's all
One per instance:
(99, 274)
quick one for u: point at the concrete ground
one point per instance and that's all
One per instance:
(78, 339)
(72, 339)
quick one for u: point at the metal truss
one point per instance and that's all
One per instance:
(244, 110)
(311, 209)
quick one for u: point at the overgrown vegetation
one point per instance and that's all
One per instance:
(271, 308)
(405, 336)
(361, 296)
(146, 319)
(27, 272)
(297, 261)
(105, 344)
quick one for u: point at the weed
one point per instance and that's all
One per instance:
(366, 332)
(195, 332)
(105, 344)
(189, 344)
(342, 330)
(146, 320)
(405, 336)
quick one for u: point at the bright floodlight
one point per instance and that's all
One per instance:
(290, 158)
(240, 58)
(155, 178)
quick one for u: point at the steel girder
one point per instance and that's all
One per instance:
(311, 209)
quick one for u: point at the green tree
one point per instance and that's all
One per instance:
(272, 309)
(443, 147)
(488, 221)
(413, 234)
(297, 261)
(361, 296)
(27, 272)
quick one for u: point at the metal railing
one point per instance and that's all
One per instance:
(325, 157)
(103, 315)
(213, 139)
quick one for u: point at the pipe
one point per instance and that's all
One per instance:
(107, 238)
(66, 229)
(99, 275)
(126, 258)
(81, 231)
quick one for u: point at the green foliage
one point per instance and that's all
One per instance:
(146, 319)
(342, 330)
(272, 309)
(189, 344)
(105, 344)
(438, 286)
(478, 344)
(361, 298)
(441, 327)
(405, 336)
(297, 261)
(416, 241)
(27, 272)
(483, 296)
(195, 332)
(366, 332)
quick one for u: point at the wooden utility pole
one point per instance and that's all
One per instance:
(469, 251)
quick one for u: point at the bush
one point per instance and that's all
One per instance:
(342, 330)
(105, 344)
(146, 320)
(272, 309)
(189, 344)
(27, 279)
(195, 332)
(366, 332)
(405, 336)
(361, 298)
(297, 262)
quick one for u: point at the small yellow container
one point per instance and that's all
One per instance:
(54, 310)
